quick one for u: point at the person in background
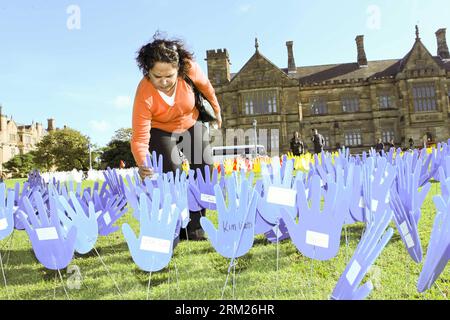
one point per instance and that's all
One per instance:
(379, 147)
(297, 146)
(165, 116)
(411, 143)
(318, 141)
(390, 144)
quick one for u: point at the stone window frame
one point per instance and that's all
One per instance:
(387, 135)
(323, 108)
(353, 138)
(387, 95)
(354, 98)
(424, 97)
(267, 102)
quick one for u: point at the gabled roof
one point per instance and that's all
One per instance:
(351, 71)
(256, 56)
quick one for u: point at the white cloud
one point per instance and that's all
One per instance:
(99, 126)
(122, 102)
(244, 8)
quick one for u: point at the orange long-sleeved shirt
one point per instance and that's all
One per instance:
(150, 110)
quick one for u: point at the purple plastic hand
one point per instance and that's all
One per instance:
(51, 247)
(152, 251)
(203, 188)
(369, 248)
(235, 235)
(6, 211)
(317, 233)
(406, 201)
(438, 252)
(114, 208)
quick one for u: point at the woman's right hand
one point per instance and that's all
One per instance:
(145, 172)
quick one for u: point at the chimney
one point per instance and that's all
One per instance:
(50, 124)
(362, 59)
(291, 62)
(442, 44)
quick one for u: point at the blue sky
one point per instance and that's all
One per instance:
(82, 72)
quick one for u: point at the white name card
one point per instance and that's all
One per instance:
(107, 218)
(353, 272)
(374, 205)
(3, 224)
(155, 245)
(47, 233)
(409, 241)
(404, 228)
(317, 239)
(361, 202)
(281, 196)
(208, 198)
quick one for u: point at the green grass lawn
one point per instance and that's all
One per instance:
(198, 272)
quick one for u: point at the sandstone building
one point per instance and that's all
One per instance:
(18, 139)
(351, 104)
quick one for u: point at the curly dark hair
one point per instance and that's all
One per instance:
(162, 49)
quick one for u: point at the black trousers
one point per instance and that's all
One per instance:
(194, 144)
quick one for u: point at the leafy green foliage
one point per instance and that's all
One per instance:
(20, 165)
(63, 150)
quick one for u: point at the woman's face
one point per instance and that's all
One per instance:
(163, 76)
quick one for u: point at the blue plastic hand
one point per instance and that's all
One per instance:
(278, 193)
(74, 215)
(369, 248)
(6, 211)
(444, 173)
(114, 181)
(114, 208)
(376, 184)
(438, 252)
(51, 247)
(203, 188)
(317, 233)
(179, 192)
(18, 203)
(235, 235)
(153, 249)
(154, 162)
(406, 201)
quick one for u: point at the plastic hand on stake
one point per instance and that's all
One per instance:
(6, 211)
(369, 248)
(438, 252)
(152, 250)
(278, 193)
(235, 235)
(74, 215)
(51, 246)
(108, 215)
(203, 188)
(317, 233)
(406, 201)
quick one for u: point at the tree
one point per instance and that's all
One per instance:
(63, 150)
(122, 134)
(115, 151)
(118, 149)
(20, 165)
